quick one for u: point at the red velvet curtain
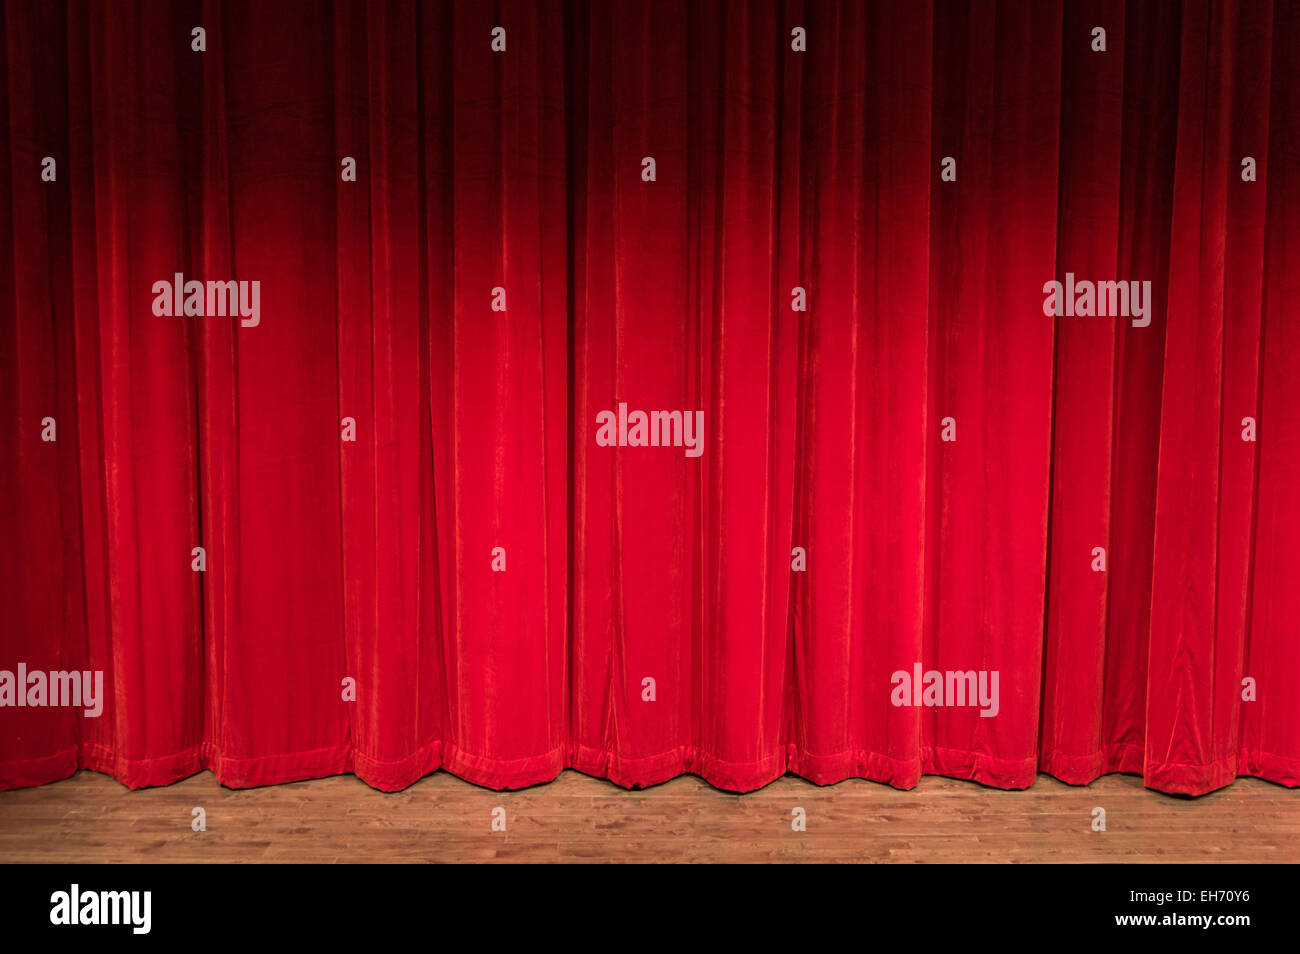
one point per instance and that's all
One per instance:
(505, 594)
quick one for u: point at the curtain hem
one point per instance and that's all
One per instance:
(504, 774)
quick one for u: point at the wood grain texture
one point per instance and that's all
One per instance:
(91, 818)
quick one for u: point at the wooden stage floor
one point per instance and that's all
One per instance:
(91, 818)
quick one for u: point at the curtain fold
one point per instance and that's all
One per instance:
(401, 519)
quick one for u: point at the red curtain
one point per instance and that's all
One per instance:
(1072, 503)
